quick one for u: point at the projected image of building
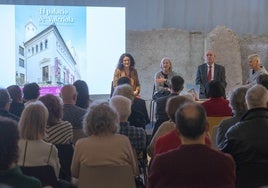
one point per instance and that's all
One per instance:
(45, 58)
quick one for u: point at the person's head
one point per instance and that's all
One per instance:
(214, 89)
(263, 80)
(122, 106)
(191, 121)
(177, 83)
(257, 97)
(82, 93)
(237, 100)
(15, 93)
(31, 91)
(33, 121)
(126, 60)
(210, 57)
(54, 108)
(165, 64)
(125, 90)
(100, 119)
(9, 137)
(254, 61)
(123, 80)
(173, 103)
(5, 99)
(68, 94)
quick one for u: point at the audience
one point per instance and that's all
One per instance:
(83, 99)
(16, 106)
(102, 146)
(72, 113)
(247, 140)
(33, 150)
(10, 173)
(5, 101)
(136, 135)
(31, 92)
(161, 116)
(172, 105)
(239, 107)
(57, 131)
(216, 105)
(136, 117)
(193, 164)
(138, 107)
(263, 80)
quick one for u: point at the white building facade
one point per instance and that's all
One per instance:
(47, 59)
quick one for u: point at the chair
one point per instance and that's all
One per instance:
(214, 121)
(65, 153)
(45, 174)
(252, 175)
(213, 137)
(106, 176)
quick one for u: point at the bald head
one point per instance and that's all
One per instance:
(68, 94)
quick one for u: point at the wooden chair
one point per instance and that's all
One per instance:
(45, 174)
(106, 176)
(213, 137)
(214, 121)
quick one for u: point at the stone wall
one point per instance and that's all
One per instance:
(186, 50)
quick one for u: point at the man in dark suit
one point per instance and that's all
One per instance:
(209, 71)
(160, 112)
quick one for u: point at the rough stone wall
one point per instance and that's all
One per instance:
(186, 50)
(225, 43)
(250, 44)
(148, 48)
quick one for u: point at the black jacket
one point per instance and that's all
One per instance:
(247, 140)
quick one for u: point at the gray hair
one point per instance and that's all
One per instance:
(257, 97)
(100, 119)
(125, 90)
(237, 100)
(122, 106)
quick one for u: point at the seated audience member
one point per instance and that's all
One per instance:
(138, 104)
(136, 117)
(193, 164)
(136, 135)
(72, 113)
(102, 146)
(262, 79)
(172, 105)
(31, 92)
(5, 101)
(83, 99)
(161, 116)
(34, 151)
(239, 107)
(10, 173)
(57, 131)
(247, 140)
(16, 106)
(256, 69)
(217, 105)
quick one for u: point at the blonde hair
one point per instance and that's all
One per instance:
(169, 61)
(122, 106)
(254, 57)
(100, 119)
(33, 121)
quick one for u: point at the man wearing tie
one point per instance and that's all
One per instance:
(209, 71)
